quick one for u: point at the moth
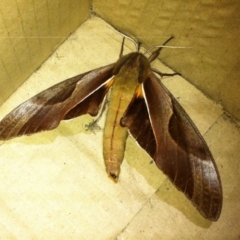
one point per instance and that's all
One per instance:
(139, 105)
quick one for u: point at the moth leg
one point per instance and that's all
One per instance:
(92, 126)
(164, 74)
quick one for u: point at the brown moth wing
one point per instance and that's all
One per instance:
(68, 99)
(136, 118)
(176, 146)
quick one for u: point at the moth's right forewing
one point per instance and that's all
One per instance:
(45, 110)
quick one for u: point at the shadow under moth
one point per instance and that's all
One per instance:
(139, 105)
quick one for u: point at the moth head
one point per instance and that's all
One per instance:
(134, 65)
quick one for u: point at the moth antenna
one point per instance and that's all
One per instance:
(136, 43)
(155, 54)
(162, 46)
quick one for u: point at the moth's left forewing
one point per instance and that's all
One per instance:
(164, 130)
(181, 153)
